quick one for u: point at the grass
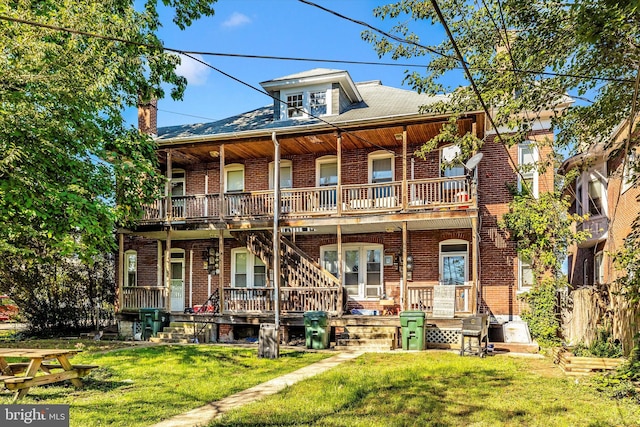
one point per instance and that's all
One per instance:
(438, 389)
(142, 386)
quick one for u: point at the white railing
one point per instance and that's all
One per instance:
(293, 300)
(420, 297)
(134, 297)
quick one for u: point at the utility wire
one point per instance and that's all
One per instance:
(288, 58)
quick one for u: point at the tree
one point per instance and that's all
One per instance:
(523, 57)
(64, 147)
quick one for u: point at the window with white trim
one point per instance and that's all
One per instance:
(381, 167)
(295, 107)
(454, 255)
(528, 176)
(598, 268)
(131, 268)
(286, 174)
(362, 266)
(247, 270)
(525, 274)
(591, 193)
(318, 103)
(234, 178)
(327, 171)
(178, 183)
(448, 154)
(628, 174)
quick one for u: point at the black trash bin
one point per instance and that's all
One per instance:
(316, 331)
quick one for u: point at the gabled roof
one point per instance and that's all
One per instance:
(379, 103)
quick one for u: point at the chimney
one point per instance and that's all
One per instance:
(148, 117)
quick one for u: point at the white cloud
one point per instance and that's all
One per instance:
(195, 72)
(236, 19)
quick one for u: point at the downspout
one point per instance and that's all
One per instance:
(276, 238)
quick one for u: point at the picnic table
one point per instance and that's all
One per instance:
(20, 376)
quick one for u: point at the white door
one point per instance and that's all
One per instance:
(177, 281)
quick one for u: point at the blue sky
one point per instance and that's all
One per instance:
(285, 28)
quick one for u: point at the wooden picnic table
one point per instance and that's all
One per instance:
(20, 376)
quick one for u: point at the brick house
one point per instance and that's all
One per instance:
(366, 229)
(604, 189)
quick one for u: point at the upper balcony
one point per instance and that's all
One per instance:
(598, 226)
(433, 194)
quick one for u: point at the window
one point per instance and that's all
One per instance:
(363, 273)
(318, 103)
(591, 193)
(628, 175)
(525, 274)
(381, 167)
(585, 271)
(598, 268)
(177, 183)
(327, 176)
(327, 171)
(295, 105)
(131, 268)
(449, 154)
(247, 270)
(528, 177)
(453, 262)
(234, 178)
(286, 176)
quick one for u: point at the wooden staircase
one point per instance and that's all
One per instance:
(298, 272)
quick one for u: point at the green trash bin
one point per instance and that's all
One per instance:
(412, 323)
(152, 320)
(316, 331)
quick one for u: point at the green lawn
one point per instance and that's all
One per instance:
(142, 386)
(438, 389)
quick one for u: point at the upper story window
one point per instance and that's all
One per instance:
(295, 105)
(312, 101)
(381, 167)
(591, 193)
(628, 175)
(447, 155)
(327, 171)
(286, 174)
(527, 159)
(234, 178)
(131, 268)
(177, 183)
(318, 103)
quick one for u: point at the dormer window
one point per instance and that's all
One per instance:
(295, 105)
(318, 103)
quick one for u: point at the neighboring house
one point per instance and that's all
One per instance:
(605, 190)
(365, 224)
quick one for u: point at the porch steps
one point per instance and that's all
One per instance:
(364, 337)
(182, 333)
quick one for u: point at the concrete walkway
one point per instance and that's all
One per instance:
(203, 415)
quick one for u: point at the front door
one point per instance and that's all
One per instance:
(177, 281)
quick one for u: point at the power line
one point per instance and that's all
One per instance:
(288, 58)
(462, 61)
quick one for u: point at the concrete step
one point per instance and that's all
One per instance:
(173, 335)
(368, 335)
(365, 344)
(171, 341)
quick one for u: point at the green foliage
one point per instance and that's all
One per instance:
(542, 230)
(602, 346)
(627, 261)
(62, 295)
(71, 171)
(540, 314)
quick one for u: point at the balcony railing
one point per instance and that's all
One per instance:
(420, 297)
(135, 297)
(293, 300)
(597, 226)
(424, 194)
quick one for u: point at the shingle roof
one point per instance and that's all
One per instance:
(378, 102)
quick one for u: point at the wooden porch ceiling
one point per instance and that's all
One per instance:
(318, 142)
